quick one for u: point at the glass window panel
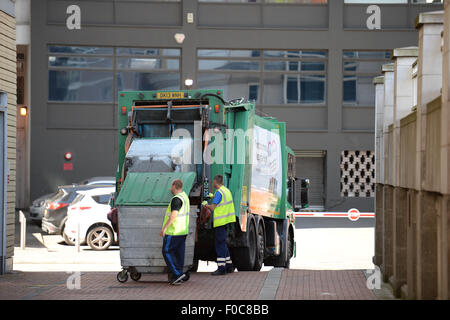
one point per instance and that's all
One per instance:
(295, 54)
(294, 66)
(228, 53)
(253, 91)
(367, 54)
(148, 63)
(298, 1)
(375, 1)
(227, 65)
(147, 81)
(242, 1)
(80, 62)
(294, 89)
(80, 85)
(363, 66)
(427, 1)
(233, 85)
(148, 52)
(359, 90)
(312, 89)
(80, 50)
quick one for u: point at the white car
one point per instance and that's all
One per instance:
(88, 212)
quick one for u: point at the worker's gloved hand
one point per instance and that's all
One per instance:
(210, 195)
(204, 203)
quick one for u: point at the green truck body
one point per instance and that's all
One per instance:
(194, 135)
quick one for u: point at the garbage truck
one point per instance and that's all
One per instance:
(194, 135)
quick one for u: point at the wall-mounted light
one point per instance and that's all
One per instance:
(179, 37)
(23, 111)
(188, 82)
(68, 156)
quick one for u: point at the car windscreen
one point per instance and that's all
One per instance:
(161, 155)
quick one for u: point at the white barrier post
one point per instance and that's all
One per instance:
(77, 240)
(23, 229)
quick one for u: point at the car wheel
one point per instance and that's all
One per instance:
(100, 238)
(68, 240)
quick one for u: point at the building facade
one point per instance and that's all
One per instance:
(7, 132)
(308, 63)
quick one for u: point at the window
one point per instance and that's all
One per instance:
(360, 67)
(270, 1)
(87, 74)
(427, 1)
(394, 1)
(267, 76)
(375, 1)
(357, 173)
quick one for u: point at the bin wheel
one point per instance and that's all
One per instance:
(135, 276)
(122, 276)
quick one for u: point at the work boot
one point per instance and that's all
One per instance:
(230, 269)
(219, 273)
(179, 280)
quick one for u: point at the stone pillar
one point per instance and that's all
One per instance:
(444, 266)
(429, 84)
(379, 108)
(388, 116)
(403, 103)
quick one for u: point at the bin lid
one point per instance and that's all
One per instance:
(152, 188)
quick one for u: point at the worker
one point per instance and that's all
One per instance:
(175, 229)
(223, 215)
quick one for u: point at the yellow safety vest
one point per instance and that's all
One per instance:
(224, 212)
(180, 226)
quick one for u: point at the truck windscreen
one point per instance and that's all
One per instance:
(161, 155)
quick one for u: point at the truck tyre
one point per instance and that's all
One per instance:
(244, 257)
(290, 250)
(260, 247)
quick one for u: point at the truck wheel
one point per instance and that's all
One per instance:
(260, 248)
(244, 257)
(290, 251)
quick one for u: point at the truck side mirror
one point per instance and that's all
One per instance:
(304, 187)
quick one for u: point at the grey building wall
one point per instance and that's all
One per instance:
(89, 130)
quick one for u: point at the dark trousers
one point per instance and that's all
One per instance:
(173, 253)
(220, 242)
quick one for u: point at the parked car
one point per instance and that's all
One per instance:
(89, 210)
(55, 212)
(99, 180)
(38, 206)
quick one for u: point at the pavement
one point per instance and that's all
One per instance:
(293, 285)
(334, 262)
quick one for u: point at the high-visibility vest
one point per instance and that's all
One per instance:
(180, 226)
(224, 212)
